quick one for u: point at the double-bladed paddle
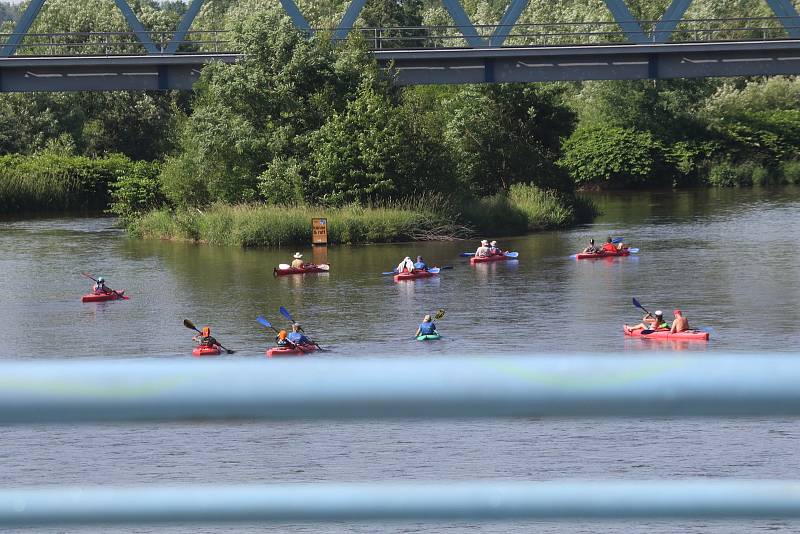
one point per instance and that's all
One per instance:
(266, 323)
(432, 270)
(506, 254)
(190, 325)
(117, 293)
(288, 315)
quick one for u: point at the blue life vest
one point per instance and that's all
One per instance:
(420, 265)
(426, 329)
(298, 339)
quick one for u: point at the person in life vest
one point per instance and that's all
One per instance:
(405, 266)
(493, 250)
(652, 322)
(205, 339)
(609, 246)
(420, 264)
(297, 262)
(100, 287)
(281, 341)
(427, 327)
(591, 249)
(679, 323)
(483, 250)
(297, 337)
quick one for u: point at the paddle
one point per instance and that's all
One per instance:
(322, 266)
(638, 305)
(190, 325)
(439, 315)
(506, 254)
(266, 323)
(120, 295)
(288, 315)
(432, 270)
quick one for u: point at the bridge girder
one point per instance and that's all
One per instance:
(783, 9)
(435, 66)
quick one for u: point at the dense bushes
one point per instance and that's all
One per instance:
(53, 182)
(614, 157)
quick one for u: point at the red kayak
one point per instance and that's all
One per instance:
(102, 297)
(663, 333)
(311, 268)
(602, 254)
(414, 275)
(203, 350)
(290, 351)
(494, 257)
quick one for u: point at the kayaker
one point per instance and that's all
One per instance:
(591, 249)
(420, 264)
(297, 262)
(679, 323)
(652, 322)
(100, 287)
(405, 266)
(427, 328)
(609, 245)
(297, 337)
(205, 339)
(493, 250)
(281, 341)
(483, 250)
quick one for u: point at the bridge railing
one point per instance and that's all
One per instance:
(529, 387)
(424, 37)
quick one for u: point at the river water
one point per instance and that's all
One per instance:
(725, 257)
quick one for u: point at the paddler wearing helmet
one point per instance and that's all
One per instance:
(483, 250)
(205, 339)
(652, 321)
(281, 339)
(100, 287)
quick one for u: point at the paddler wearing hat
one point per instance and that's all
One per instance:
(297, 262)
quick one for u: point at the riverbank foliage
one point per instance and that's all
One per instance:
(301, 122)
(55, 182)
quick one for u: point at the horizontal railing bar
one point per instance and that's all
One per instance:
(340, 388)
(481, 500)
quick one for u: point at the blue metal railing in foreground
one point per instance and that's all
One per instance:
(338, 388)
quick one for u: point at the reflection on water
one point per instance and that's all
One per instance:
(725, 257)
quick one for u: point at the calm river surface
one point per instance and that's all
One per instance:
(726, 258)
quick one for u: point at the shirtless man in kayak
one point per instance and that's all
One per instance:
(679, 323)
(483, 250)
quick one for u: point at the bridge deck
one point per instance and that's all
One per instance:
(429, 66)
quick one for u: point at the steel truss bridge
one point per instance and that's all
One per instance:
(625, 49)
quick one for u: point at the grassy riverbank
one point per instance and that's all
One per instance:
(52, 182)
(523, 209)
